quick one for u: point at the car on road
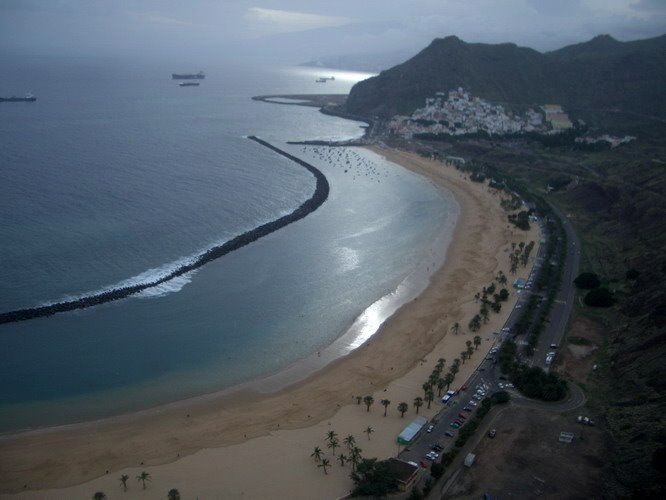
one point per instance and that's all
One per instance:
(492, 433)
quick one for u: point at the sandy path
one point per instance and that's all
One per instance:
(247, 445)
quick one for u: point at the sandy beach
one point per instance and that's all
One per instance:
(245, 444)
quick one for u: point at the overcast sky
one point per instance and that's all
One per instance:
(299, 30)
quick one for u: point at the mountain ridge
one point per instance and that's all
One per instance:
(600, 74)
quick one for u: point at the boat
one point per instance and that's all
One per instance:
(27, 98)
(324, 79)
(188, 76)
(188, 84)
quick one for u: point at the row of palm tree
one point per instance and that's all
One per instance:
(173, 493)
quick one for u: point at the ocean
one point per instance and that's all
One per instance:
(116, 175)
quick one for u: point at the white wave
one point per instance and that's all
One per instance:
(172, 286)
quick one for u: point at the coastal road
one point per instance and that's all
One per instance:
(487, 375)
(561, 310)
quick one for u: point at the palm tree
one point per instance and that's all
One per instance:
(385, 404)
(331, 435)
(369, 430)
(402, 408)
(429, 397)
(426, 387)
(440, 363)
(99, 495)
(123, 479)
(470, 351)
(468, 343)
(418, 403)
(325, 463)
(316, 454)
(455, 368)
(448, 378)
(355, 456)
(368, 400)
(342, 459)
(440, 386)
(143, 477)
(463, 355)
(455, 328)
(173, 494)
(359, 399)
(333, 444)
(349, 441)
(477, 341)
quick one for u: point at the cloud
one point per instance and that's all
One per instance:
(262, 22)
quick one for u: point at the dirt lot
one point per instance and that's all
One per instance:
(526, 459)
(575, 361)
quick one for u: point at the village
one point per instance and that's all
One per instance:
(458, 112)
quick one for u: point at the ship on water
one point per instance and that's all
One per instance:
(324, 79)
(188, 76)
(188, 84)
(26, 98)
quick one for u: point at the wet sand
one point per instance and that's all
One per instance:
(245, 444)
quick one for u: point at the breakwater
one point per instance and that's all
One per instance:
(310, 205)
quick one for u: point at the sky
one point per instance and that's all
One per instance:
(297, 31)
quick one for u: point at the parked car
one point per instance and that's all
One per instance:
(467, 408)
(492, 433)
(448, 434)
(430, 428)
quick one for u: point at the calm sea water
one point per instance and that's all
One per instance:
(116, 175)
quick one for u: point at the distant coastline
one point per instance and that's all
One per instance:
(310, 205)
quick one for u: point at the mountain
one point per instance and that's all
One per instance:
(599, 75)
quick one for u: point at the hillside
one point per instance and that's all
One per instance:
(599, 75)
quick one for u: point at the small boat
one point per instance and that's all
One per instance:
(321, 80)
(188, 84)
(27, 98)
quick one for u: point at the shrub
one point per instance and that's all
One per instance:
(632, 274)
(500, 397)
(587, 281)
(599, 297)
(436, 470)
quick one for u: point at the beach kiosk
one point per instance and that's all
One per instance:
(412, 430)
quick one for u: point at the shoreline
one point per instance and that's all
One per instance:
(240, 416)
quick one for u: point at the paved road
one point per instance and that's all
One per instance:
(561, 310)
